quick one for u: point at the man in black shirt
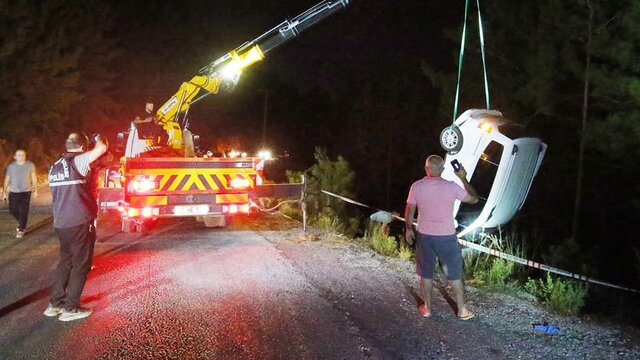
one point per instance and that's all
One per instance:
(147, 125)
(74, 214)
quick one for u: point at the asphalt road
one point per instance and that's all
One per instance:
(252, 291)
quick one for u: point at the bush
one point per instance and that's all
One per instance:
(497, 274)
(292, 211)
(324, 211)
(330, 222)
(564, 296)
(490, 270)
(383, 244)
(405, 253)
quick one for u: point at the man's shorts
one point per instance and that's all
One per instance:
(446, 248)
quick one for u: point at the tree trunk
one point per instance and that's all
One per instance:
(583, 128)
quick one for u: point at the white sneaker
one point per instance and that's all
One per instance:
(52, 311)
(75, 314)
(19, 234)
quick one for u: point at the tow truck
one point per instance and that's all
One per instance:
(168, 176)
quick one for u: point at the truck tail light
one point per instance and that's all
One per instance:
(235, 208)
(146, 212)
(142, 184)
(239, 183)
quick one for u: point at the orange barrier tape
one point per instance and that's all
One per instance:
(503, 255)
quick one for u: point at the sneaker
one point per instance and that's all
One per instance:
(52, 311)
(424, 311)
(75, 314)
(19, 234)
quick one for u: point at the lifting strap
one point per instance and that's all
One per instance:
(461, 58)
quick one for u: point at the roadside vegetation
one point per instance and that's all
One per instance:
(565, 296)
(326, 212)
(381, 243)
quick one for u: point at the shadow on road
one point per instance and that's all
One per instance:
(27, 300)
(441, 289)
(414, 293)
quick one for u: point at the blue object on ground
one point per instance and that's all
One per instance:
(545, 328)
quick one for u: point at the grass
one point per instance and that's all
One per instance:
(382, 244)
(563, 296)
(329, 222)
(497, 274)
(406, 253)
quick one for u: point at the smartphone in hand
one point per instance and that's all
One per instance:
(456, 165)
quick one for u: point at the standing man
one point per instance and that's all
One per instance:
(434, 198)
(19, 182)
(74, 214)
(147, 125)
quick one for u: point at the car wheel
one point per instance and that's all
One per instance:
(451, 139)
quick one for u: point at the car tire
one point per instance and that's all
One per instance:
(451, 139)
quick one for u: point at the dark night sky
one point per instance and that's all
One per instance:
(334, 55)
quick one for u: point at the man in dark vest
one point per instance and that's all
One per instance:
(74, 214)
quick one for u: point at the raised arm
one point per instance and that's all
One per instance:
(98, 150)
(472, 195)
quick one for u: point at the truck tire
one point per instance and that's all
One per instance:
(451, 139)
(212, 221)
(128, 226)
(146, 226)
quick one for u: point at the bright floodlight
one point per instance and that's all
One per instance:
(230, 71)
(265, 154)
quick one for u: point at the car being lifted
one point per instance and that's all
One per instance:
(500, 166)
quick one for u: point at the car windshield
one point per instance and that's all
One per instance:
(482, 180)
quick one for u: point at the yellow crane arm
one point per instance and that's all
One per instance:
(225, 71)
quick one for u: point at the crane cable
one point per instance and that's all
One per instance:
(461, 58)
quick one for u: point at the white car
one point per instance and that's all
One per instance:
(499, 164)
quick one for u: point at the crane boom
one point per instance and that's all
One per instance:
(225, 71)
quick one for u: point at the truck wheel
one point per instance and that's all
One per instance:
(212, 221)
(451, 139)
(128, 226)
(146, 226)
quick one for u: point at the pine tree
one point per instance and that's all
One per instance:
(53, 55)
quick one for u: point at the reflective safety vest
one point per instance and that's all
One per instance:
(73, 200)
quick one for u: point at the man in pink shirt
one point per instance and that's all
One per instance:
(434, 199)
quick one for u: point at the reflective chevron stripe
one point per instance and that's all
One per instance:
(140, 201)
(232, 198)
(170, 180)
